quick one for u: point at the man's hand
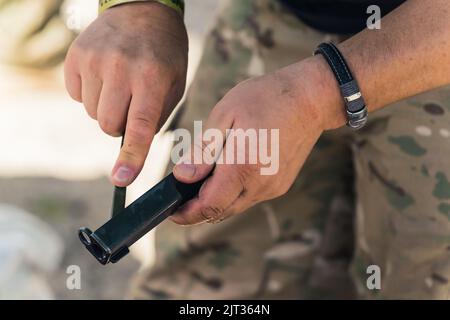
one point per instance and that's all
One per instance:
(409, 53)
(275, 101)
(129, 70)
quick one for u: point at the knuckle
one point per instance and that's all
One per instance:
(116, 55)
(139, 134)
(72, 79)
(206, 147)
(74, 91)
(92, 59)
(161, 65)
(148, 70)
(70, 60)
(73, 52)
(202, 151)
(101, 64)
(109, 126)
(279, 191)
(142, 126)
(116, 59)
(145, 120)
(245, 173)
(156, 70)
(211, 213)
(131, 155)
(202, 146)
(92, 113)
(89, 103)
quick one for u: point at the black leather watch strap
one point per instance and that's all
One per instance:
(355, 106)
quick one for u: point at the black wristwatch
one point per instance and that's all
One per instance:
(356, 109)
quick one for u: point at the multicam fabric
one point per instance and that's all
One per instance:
(380, 196)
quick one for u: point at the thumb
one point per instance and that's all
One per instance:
(200, 160)
(188, 171)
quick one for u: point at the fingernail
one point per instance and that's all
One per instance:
(123, 174)
(185, 170)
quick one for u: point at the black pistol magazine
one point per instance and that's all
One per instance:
(110, 242)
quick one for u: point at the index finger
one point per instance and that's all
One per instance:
(142, 121)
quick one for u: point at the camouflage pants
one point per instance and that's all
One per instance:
(379, 196)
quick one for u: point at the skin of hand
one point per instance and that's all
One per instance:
(273, 101)
(407, 56)
(128, 68)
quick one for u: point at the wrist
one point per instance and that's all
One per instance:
(150, 18)
(177, 5)
(318, 93)
(327, 95)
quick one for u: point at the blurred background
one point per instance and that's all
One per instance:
(54, 160)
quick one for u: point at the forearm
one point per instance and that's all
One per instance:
(409, 55)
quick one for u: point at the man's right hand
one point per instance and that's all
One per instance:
(128, 68)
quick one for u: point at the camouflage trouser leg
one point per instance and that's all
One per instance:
(403, 198)
(301, 245)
